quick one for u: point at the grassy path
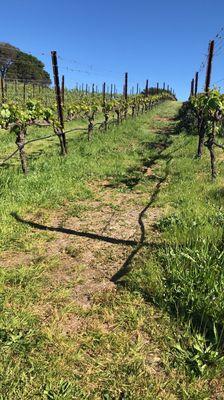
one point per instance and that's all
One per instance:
(80, 280)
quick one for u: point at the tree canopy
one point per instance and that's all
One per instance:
(16, 64)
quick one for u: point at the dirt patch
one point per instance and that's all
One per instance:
(217, 389)
(89, 248)
(100, 242)
(9, 259)
(164, 119)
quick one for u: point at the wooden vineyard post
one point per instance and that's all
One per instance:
(146, 94)
(202, 125)
(93, 89)
(164, 86)
(126, 86)
(63, 90)
(196, 84)
(86, 89)
(111, 91)
(211, 140)
(105, 112)
(147, 87)
(157, 88)
(209, 66)
(137, 88)
(126, 94)
(192, 88)
(104, 94)
(61, 134)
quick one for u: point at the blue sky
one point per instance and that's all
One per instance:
(155, 40)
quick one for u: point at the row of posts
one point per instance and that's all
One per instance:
(194, 81)
(112, 90)
(59, 92)
(36, 88)
(60, 95)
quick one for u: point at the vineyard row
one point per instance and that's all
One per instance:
(16, 116)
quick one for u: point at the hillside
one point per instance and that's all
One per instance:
(109, 267)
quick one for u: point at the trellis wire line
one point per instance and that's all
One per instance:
(16, 60)
(8, 157)
(43, 138)
(91, 68)
(220, 80)
(29, 141)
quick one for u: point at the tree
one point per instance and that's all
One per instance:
(16, 64)
(28, 68)
(8, 55)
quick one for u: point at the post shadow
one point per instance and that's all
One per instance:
(126, 267)
(67, 231)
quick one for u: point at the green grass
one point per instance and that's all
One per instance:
(159, 334)
(185, 274)
(53, 179)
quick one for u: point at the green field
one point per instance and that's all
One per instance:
(112, 270)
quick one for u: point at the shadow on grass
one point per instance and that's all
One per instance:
(67, 231)
(138, 245)
(126, 267)
(135, 175)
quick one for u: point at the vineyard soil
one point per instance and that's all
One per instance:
(88, 307)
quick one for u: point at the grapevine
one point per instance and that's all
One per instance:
(208, 109)
(16, 116)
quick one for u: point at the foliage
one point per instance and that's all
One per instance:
(28, 68)
(8, 55)
(11, 113)
(75, 108)
(207, 111)
(209, 105)
(16, 64)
